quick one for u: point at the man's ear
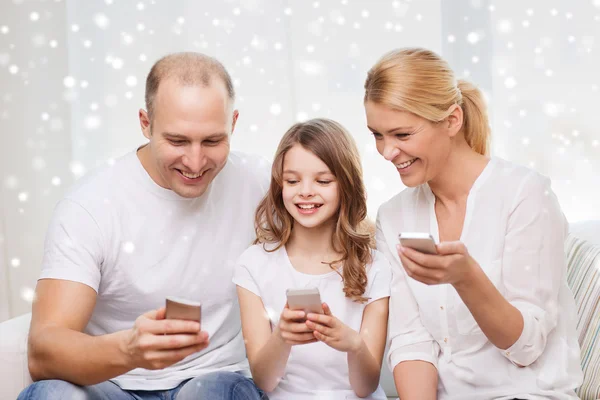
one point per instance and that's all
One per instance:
(454, 121)
(236, 114)
(145, 123)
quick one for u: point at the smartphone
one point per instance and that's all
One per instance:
(422, 242)
(307, 300)
(178, 308)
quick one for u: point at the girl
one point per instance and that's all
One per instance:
(496, 321)
(308, 235)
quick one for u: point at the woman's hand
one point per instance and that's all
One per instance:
(452, 264)
(333, 332)
(292, 328)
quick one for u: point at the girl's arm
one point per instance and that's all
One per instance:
(267, 350)
(364, 349)
(364, 363)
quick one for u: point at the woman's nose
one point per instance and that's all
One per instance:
(390, 152)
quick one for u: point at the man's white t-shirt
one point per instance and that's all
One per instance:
(135, 243)
(313, 371)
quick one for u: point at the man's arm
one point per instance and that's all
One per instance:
(58, 349)
(60, 312)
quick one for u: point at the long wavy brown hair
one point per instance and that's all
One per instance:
(353, 237)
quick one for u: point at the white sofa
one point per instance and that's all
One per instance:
(14, 374)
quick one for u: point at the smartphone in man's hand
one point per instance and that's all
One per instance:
(178, 308)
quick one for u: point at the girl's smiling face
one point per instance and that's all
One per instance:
(310, 190)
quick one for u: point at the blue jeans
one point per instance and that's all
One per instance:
(213, 386)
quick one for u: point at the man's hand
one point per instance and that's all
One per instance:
(155, 342)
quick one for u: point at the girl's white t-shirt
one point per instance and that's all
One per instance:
(313, 371)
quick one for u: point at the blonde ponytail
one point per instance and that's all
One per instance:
(475, 121)
(421, 82)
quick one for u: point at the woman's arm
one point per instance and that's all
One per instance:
(518, 320)
(364, 364)
(416, 380)
(410, 342)
(500, 321)
(533, 271)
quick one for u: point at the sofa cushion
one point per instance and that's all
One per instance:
(583, 275)
(587, 230)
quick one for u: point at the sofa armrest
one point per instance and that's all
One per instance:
(14, 372)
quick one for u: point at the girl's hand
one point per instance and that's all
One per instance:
(452, 264)
(292, 328)
(333, 332)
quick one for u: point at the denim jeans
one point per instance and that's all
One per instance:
(213, 386)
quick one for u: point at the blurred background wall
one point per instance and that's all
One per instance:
(72, 77)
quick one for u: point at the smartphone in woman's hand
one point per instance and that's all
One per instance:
(422, 242)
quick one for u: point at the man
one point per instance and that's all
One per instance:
(168, 219)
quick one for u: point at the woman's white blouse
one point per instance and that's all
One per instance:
(515, 230)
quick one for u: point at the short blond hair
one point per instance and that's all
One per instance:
(188, 68)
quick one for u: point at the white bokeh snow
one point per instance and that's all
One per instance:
(73, 73)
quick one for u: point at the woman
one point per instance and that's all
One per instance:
(490, 315)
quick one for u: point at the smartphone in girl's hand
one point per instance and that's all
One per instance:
(307, 300)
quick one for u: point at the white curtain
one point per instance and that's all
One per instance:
(35, 142)
(72, 77)
(546, 92)
(4, 294)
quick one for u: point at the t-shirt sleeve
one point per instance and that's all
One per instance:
(73, 248)
(380, 276)
(243, 274)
